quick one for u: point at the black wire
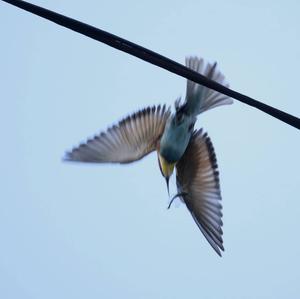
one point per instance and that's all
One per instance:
(151, 57)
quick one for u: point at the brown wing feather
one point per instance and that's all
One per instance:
(130, 140)
(198, 182)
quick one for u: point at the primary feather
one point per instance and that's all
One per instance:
(198, 181)
(131, 139)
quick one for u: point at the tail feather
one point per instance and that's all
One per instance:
(200, 98)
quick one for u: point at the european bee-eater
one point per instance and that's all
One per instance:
(178, 146)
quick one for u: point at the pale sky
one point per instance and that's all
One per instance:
(104, 231)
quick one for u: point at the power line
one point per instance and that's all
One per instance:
(151, 57)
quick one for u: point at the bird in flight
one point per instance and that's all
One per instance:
(178, 145)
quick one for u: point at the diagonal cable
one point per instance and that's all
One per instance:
(151, 57)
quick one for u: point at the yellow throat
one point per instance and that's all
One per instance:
(165, 167)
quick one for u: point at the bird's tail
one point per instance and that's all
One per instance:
(200, 98)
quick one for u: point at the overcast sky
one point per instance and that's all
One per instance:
(103, 231)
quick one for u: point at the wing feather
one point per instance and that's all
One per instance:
(198, 182)
(131, 139)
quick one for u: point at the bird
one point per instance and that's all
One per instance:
(178, 145)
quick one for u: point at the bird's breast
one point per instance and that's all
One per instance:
(174, 142)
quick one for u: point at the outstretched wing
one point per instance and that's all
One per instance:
(130, 140)
(198, 97)
(198, 185)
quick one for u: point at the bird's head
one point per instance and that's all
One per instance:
(166, 168)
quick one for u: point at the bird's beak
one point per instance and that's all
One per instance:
(167, 181)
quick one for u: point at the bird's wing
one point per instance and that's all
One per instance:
(130, 140)
(198, 186)
(198, 97)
